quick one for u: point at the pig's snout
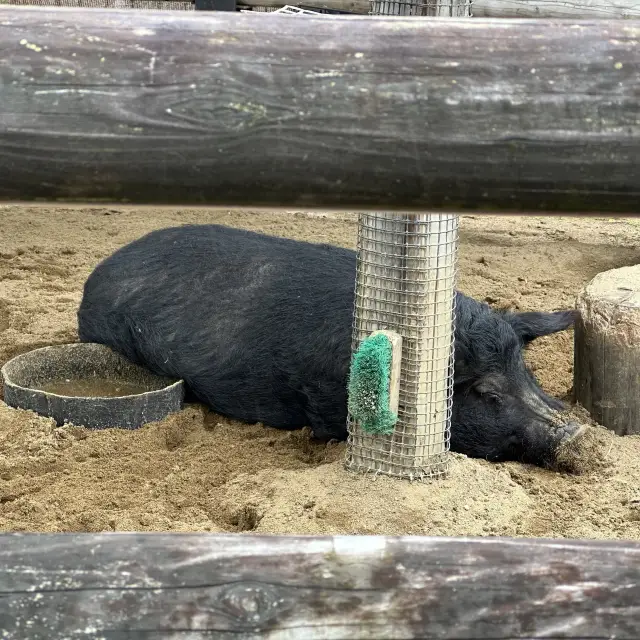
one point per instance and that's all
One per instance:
(567, 432)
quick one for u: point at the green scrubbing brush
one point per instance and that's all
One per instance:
(374, 382)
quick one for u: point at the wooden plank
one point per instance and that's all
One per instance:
(396, 361)
(572, 9)
(328, 112)
(119, 586)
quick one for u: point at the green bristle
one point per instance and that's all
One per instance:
(369, 386)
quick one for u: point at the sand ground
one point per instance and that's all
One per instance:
(200, 472)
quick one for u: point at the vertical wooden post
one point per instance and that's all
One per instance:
(607, 350)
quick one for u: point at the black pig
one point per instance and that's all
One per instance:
(259, 328)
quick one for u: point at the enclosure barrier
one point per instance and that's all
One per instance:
(574, 9)
(247, 110)
(323, 6)
(327, 588)
(347, 6)
(152, 5)
(239, 110)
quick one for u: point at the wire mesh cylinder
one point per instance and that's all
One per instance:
(432, 8)
(405, 283)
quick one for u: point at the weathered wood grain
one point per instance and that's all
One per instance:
(607, 349)
(572, 9)
(158, 5)
(120, 586)
(348, 112)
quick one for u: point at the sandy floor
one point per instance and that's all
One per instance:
(197, 471)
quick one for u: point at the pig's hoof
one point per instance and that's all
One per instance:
(307, 432)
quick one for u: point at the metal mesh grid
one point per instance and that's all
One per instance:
(329, 12)
(430, 8)
(168, 5)
(290, 10)
(294, 10)
(405, 283)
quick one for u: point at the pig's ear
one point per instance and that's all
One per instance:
(533, 324)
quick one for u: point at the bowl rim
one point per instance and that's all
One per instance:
(6, 379)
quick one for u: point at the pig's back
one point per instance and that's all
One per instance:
(258, 327)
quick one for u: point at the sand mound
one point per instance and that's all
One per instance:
(476, 498)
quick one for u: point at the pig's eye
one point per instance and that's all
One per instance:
(488, 391)
(492, 397)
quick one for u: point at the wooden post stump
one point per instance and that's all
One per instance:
(607, 350)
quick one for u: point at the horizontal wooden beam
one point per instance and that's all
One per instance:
(336, 587)
(571, 9)
(319, 112)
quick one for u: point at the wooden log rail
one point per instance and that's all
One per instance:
(335, 587)
(573, 9)
(344, 112)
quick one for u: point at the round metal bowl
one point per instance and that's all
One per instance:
(89, 385)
